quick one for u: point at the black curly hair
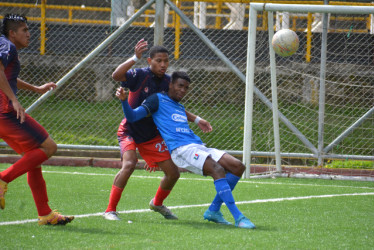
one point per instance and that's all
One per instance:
(180, 75)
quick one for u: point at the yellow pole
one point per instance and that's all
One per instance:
(177, 32)
(368, 21)
(309, 37)
(70, 16)
(218, 18)
(146, 19)
(42, 28)
(264, 20)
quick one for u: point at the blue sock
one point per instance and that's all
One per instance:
(232, 180)
(224, 191)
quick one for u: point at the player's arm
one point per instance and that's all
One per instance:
(5, 87)
(37, 89)
(203, 124)
(132, 115)
(119, 73)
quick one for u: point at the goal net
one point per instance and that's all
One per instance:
(313, 110)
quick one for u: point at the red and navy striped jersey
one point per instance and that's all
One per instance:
(142, 82)
(9, 59)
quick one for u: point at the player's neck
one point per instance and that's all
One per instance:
(172, 98)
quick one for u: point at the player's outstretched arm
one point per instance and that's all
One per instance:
(37, 89)
(132, 115)
(119, 73)
(5, 87)
(203, 124)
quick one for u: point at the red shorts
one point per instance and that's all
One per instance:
(22, 137)
(152, 151)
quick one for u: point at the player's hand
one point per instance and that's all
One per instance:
(20, 110)
(121, 94)
(150, 169)
(140, 48)
(205, 126)
(46, 87)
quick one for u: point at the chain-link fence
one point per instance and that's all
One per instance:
(84, 110)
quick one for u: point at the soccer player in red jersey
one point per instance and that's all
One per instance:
(19, 130)
(143, 134)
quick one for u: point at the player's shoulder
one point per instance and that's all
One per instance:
(162, 94)
(6, 45)
(167, 77)
(138, 72)
(154, 98)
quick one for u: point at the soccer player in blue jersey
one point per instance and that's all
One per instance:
(143, 134)
(21, 132)
(187, 150)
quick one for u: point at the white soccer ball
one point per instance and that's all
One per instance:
(285, 42)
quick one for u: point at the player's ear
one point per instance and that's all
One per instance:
(11, 33)
(149, 60)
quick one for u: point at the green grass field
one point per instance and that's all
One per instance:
(288, 213)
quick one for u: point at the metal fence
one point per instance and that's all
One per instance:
(83, 113)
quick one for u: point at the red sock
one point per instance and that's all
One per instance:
(29, 161)
(115, 196)
(39, 191)
(160, 196)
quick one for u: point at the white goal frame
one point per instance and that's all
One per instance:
(317, 152)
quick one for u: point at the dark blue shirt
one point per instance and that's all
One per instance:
(142, 83)
(9, 59)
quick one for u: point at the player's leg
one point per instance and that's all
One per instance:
(155, 153)
(129, 160)
(32, 141)
(39, 191)
(25, 139)
(166, 185)
(214, 169)
(36, 181)
(234, 170)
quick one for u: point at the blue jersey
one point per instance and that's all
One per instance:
(171, 120)
(142, 83)
(9, 59)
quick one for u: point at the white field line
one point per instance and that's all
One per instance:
(202, 205)
(209, 179)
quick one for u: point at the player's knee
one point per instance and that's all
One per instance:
(218, 171)
(49, 146)
(239, 167)
(174, 175)
(129, 165)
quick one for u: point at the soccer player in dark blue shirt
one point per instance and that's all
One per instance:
(187, 150)
(19, 130)
(143, 134)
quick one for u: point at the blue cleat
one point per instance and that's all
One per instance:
(244, 222)
(215, 216)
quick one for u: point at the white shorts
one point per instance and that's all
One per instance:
(192, 157)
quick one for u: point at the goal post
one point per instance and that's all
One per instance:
(315, 147)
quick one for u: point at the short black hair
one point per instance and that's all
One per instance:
(12, 22)
(157, 49)
(179, 75)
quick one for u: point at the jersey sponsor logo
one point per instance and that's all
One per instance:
(183, 130)
(146, 90)
(178, 118)
(196, 157)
